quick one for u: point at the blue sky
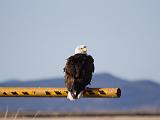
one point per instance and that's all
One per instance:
(37, 36)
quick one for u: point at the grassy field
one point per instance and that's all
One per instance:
(90, 118)
(79, 116)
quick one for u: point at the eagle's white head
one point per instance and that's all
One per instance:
(82, 49)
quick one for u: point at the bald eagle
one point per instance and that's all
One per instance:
(78, 72)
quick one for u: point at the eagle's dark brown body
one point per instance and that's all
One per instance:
(78, 73)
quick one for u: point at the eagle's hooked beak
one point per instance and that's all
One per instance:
(85, 49)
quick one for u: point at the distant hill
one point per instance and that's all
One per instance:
(136, 96)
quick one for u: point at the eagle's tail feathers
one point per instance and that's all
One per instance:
(80, 95)
(73, 96)
(70, 97)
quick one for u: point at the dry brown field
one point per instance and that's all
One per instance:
(89, 118)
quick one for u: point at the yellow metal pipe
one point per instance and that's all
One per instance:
(57, 92)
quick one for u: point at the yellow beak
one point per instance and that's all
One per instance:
(85, 49)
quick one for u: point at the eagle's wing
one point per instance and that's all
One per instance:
(88, 69)
(70, 72)
(91, 63)
(69, 67)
